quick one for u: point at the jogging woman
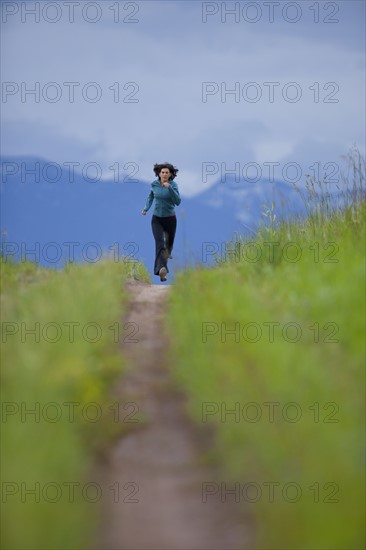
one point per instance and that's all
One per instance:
(163, 222)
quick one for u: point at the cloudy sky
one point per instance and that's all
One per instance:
(145, 82)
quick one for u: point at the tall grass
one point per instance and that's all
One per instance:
(304, 279)
(63, 375)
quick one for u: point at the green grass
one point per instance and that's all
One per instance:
(308, 279)
(323, 293)
(45, 374)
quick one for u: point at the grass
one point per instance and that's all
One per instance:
(269, 347)
(65, 378)
(307, 284)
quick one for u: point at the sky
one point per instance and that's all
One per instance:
(208, 86)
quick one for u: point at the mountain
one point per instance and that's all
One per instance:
(248, 200)
(63, 218)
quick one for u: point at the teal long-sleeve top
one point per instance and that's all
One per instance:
(165, 198)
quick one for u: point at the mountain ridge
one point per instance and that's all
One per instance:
(48, 207)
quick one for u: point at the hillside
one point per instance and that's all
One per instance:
(43, 204)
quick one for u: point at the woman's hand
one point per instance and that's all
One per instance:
(143, 212)
(165, 183)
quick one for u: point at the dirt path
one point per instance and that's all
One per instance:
(160, 458)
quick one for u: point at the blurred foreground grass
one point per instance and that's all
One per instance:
(269, 346)
(62, 372)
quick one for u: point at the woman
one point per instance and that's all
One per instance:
(163, 222)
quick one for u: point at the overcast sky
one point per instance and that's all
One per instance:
(167, 50)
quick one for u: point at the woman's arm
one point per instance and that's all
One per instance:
(149, 201)
(173, 188)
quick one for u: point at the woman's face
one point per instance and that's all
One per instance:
(164, 174)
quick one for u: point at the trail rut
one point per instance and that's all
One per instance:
(161, 458)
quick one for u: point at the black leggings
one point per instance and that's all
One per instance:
(163, 247)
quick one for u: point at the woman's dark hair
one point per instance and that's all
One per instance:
(173, 170)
